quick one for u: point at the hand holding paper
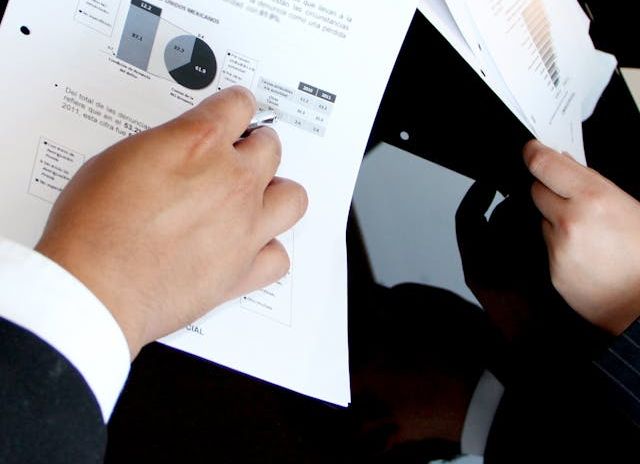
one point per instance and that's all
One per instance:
(591, 228)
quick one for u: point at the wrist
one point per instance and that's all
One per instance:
(105, 288)
(618, 324)
(616, 319)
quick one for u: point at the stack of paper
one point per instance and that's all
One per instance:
(536, 55)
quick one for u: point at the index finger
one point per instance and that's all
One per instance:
(227, 113)
(558, 172)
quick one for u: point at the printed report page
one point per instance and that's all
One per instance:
(528, 48)
(545, 55)
(79, 75)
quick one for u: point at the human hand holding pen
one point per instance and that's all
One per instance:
(592, 231)
(171, 223)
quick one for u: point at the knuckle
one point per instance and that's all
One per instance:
(594, 200)
(208, 131)
(273, 139)
(568, 226)
(598, 206)
(564, 225)
(201, 132)
(268, 140)
(245, 180)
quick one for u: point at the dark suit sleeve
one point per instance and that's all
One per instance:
(557, 406)
(620, 366)
(48, 414)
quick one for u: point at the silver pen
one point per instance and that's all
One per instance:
(261, 119)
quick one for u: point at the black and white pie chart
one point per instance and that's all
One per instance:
(190, 62)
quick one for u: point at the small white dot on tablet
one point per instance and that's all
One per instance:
(404, 135)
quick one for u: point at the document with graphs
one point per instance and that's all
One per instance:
(80, 75)
(536, 55)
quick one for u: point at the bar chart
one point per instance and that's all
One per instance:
(539, 27)
(163, 49)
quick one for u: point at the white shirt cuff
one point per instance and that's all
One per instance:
(482, 410)
(40, 296)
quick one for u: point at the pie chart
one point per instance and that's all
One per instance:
(190, 62)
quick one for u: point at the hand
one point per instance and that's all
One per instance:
(486, 260)
(592, 231)
(170, 223)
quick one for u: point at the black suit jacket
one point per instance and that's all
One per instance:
(620, 368)
(48, 413)
(559, 407)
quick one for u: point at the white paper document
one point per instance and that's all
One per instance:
(536, 55)
(80, 75)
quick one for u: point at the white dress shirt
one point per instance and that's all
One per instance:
(43, 298)
(482, 410)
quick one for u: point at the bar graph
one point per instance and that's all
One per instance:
(163, 49)
(139, 34)
(539, 27)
